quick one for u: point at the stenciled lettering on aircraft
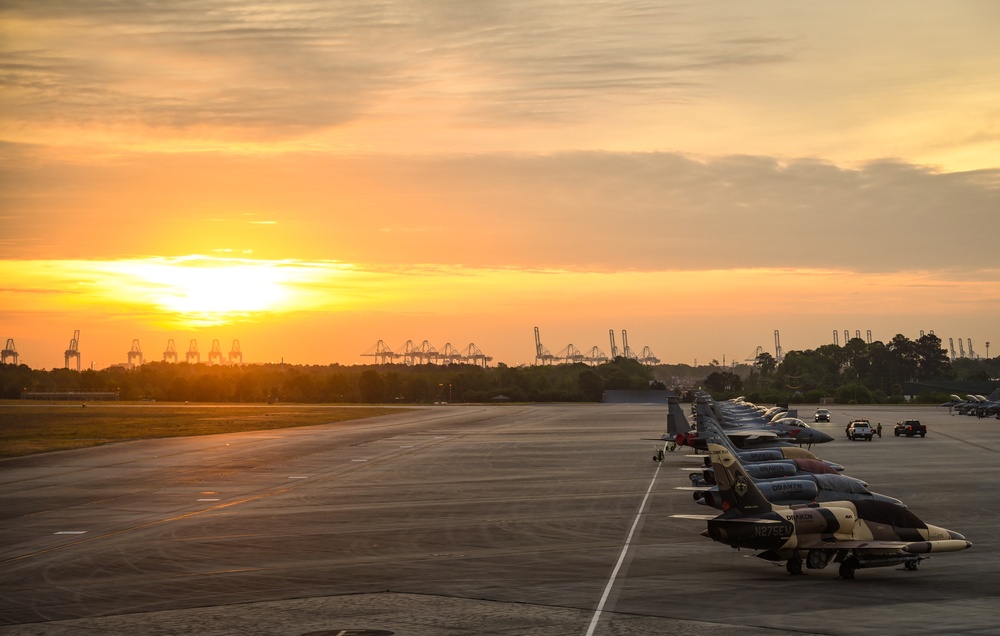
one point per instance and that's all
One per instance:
(772, 530)
(786, 487)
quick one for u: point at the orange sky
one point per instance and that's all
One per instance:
(311, 177)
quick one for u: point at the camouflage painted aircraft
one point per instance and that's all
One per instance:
(820, 484)
(855, 534)
(748, 430)
(680, 433)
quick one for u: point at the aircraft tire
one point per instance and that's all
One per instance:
(848, 567)
(911, 565)
(794, 566)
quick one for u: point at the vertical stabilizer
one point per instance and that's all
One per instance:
(677, 423)
(736, 488)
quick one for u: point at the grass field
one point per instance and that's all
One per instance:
(26, 429)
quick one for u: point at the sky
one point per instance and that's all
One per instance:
(309, 178)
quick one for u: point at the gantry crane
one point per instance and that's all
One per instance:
(235, 355)
(135, 353)
(215, 355)
(626, 351)
(171, 352)
(542, 355)
(193, 353)
(382, 353)
(9, 352)
(74, 350)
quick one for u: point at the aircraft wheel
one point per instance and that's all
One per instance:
(848, 567)
(794, 566)
(911, 565)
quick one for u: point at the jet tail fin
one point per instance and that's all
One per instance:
(736, 488)
(677, 423)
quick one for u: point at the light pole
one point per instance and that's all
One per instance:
(987, 349)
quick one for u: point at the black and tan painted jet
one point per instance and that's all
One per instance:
(855, 534)
(787, 482)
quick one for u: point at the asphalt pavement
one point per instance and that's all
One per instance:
(506, 519)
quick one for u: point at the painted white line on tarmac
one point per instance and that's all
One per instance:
(621, 558)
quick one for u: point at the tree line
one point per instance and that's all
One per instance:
(369, 384)
(858, 372)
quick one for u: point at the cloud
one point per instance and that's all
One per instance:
(271, 70)
(582, 211)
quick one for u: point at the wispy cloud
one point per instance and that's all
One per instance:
(581, 211)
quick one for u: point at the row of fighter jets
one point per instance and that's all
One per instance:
(977, 405)
(787, 504)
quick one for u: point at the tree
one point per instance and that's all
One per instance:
(371, 386)
(766, 363)
(724, 382)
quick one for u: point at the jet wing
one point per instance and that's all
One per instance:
(752, 435)
(910, 547)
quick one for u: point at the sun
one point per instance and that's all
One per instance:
(213, 289)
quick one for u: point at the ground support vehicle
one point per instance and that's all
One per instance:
(860, 429)
(910, 428)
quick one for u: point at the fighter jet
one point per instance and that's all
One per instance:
(783, 432)
(680, 433)
(855, 534)
(796, 488)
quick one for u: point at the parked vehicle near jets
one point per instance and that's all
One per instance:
(821, 415)
(909, 428)
(860, 429)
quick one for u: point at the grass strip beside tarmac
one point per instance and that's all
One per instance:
(29, 429)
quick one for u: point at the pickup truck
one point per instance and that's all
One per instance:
(860, 429)
(910, 428)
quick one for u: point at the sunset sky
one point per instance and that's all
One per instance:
(311, 177)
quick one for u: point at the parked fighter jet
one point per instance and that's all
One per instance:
(680, 433)
(860, 534)
(798, 488)
(977, 405)
(750, 434)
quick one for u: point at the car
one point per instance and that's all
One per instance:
(821, 415)
(910, 428)
(860, 429)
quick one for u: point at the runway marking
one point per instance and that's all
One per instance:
(208, 500)
(359, 460)
(621, 557)
(299, 477)
(71, 532)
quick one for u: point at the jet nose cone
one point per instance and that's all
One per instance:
(819, 437)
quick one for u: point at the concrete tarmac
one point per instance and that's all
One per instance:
(507, 519)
